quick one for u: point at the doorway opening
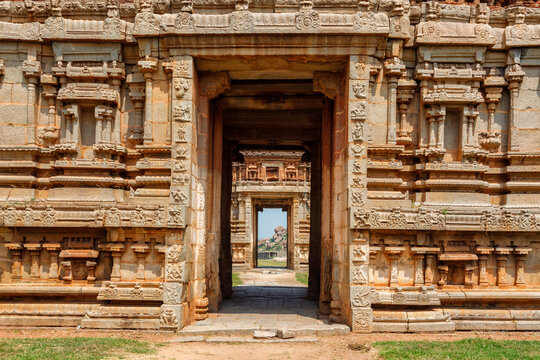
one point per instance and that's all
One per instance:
(272, 238)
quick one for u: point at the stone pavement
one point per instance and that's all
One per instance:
(261, 303)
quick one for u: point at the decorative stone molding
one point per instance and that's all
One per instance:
(241, 20)
(307, 18)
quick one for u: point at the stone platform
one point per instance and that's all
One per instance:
(255, 307)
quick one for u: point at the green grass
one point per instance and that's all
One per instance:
(236, 279)
(302, 277)
(78, 348)
(271, 263)
(467, 349)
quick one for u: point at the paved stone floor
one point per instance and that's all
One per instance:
(268, 299)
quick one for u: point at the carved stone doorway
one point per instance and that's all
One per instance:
(284, 115)
(261, 205)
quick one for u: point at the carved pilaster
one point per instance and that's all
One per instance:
(502, 255)
(358, 136)
(53, 250)
(428, 273)
(34, 249)
(393, 252)
(49, 83)
(514, 75)
(141, 250)
(70, 124)
(405, 93)
(374, 251)
(148, 67)
(520, 254)
(394, 69)
(423, 274)
(493, 86)
(116, 250)
(469, 139)
(443, 274)
(105, 129)
(16, 260)
(31, 70)
(483, 253)
(136, 85)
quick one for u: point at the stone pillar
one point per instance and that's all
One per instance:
(54, 250)
(161, 253)
(16, 260)
(428, 272)
(393, 252)
(493, 86)
(419, 269)
(440, 129)
(373, 253)
(483, 253)
(502, 255)
(68, 271)
(148, 66)
(181, 241)
(91, 268)
(34, 249)
(360, 315)
(31, 70)
(405, 95)
(49, 83)
(443, 274)
(116, 250)
(514, 75)
(141, 250)
(394, 69)
(469, 271)
(423, 275)
(136, 93)
(520, 254)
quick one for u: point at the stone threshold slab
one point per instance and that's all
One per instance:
(242, 339)
(325, 330)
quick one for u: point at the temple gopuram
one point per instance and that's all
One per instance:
(408, 131)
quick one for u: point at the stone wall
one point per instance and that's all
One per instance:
(111, 150)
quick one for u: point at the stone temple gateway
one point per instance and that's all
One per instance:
(119, 122)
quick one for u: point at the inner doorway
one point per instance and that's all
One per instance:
(273, 235)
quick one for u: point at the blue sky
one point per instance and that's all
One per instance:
(268, 220)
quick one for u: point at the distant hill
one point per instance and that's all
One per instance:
(277, 242)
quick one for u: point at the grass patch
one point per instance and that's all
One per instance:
(302, 277)
(236, 279)
(271, 263)
(78, 348)
(466, 349)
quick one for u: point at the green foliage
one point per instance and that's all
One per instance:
(77, 348)
(466, 349)
(236, 279)
(302, 277)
